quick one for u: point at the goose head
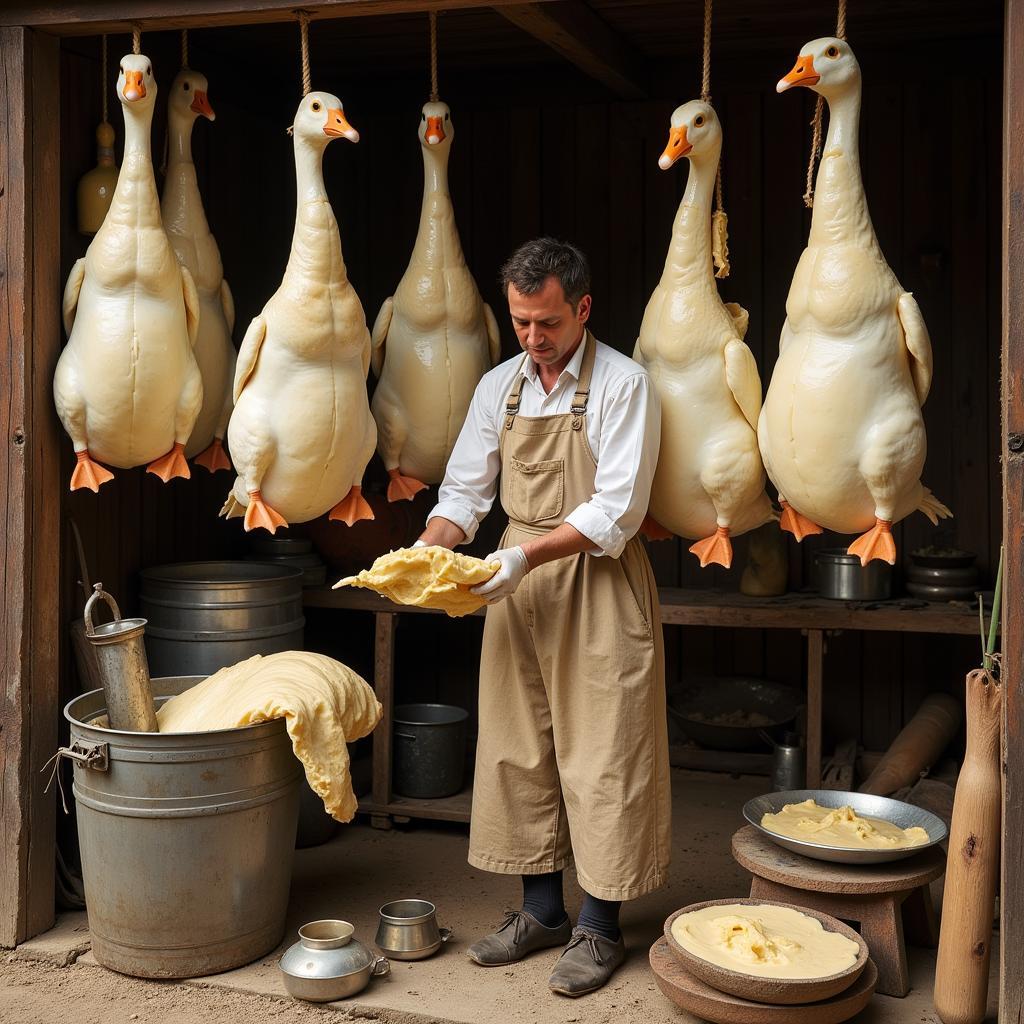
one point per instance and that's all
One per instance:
(320, 118)
(695, 132)
(826, 66)
(436, 126)
(136, 86)
(189, 97)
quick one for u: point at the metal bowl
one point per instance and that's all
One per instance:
(706, 698)
(762, 989)
(896, 811)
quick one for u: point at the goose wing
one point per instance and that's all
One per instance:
(919, 345)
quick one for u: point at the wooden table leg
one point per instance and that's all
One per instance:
(384, 686)
(920, 922)
(815, 684)
(881, 927)
(879, 917)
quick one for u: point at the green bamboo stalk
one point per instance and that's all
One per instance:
(994, 624)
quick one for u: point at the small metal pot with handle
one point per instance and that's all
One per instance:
(408, 930)
(327, 963)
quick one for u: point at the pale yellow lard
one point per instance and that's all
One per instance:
(766, 941)
(840, 827)
(430, 577)
(324, 703)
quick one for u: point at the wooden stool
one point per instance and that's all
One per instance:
(881, 898)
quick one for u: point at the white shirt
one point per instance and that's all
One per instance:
(623, 426)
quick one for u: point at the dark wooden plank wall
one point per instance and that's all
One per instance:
(548, 153)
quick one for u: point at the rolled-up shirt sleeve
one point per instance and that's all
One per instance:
(471, 479)
(630, 439)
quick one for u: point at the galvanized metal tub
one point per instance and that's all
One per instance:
(204, 616)
(187, 840)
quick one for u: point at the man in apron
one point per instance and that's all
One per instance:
(572, 759)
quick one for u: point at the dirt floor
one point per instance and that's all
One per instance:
(55, 977)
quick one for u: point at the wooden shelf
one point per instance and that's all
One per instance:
(684, 607)
(449, 808)
(815, 616)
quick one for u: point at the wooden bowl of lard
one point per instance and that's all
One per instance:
(764, 988)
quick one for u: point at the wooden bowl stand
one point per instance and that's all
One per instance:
(884, 899)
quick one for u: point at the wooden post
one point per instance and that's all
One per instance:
(1011, 979)
(815, 686)
(29, 474)
(384, 686)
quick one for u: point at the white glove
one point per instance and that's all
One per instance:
(504, 582)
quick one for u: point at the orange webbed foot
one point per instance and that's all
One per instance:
(259, 515)
(213, 457)
(88, 473)
(792, 522)
(173, 464)
(352, 508)
(876, 543)
(716, 549)
(403, 488)
(653, 530)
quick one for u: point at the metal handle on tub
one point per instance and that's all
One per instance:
(446, 934)
(381, 966)
(96, 756)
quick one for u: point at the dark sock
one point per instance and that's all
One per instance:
(542, 897)
(600, 917)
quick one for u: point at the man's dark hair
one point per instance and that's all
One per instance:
(537, 260)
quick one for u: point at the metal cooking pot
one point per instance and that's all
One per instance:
(408, 930)
(842, 577)
(327, 963)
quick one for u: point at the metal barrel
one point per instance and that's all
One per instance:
(430, 750)
(186, 840)
(204, 616)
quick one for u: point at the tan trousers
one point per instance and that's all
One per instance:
(572, 757)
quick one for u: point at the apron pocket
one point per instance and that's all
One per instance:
(636, 587)
(535, 490)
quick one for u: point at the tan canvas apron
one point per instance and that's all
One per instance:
(572, 757)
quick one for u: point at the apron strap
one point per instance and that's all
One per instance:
(582, 396)
(579, 399)
(514, 397)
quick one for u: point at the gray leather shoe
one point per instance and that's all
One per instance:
(587, 963)
(519, 935)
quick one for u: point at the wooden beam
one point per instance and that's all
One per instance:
(29, 475)
(84, 18)
(573, 30)
(1011, 979)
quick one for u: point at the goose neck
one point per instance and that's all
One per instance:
(437, 240)
(135, 197)
(309, 172)
(840, 210)
(689, 256)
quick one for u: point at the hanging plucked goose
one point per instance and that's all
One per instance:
(127, 386)
(96, 188)
(301, 432)
(841, 431)
(709, 484)
(196, 248)
(435, 337)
